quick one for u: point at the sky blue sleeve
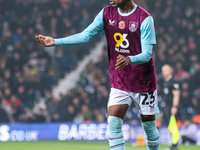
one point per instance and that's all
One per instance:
(147, 31)
(86, 35)
(143, 57)
(148, 38)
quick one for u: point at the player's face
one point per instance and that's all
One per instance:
(118, 3)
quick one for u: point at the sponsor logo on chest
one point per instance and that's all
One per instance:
(133, 26)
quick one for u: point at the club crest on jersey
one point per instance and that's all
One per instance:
(133, 26)
(111, 22)
(122, 25)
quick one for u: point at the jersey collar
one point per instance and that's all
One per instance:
(127, 14)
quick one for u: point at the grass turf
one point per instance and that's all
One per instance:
(75, 145)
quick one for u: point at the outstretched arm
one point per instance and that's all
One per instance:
(93, 29)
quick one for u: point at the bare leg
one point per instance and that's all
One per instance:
(118, 110)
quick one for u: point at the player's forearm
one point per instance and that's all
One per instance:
(74, 39)
(143, 57)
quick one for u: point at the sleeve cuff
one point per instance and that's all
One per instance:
(133, 59)
(57, 42)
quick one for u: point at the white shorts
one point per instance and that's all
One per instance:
(146, 103)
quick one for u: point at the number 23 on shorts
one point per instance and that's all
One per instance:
(148, 98)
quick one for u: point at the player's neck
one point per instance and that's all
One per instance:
(128, 7)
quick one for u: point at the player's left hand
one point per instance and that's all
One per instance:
(122, 61)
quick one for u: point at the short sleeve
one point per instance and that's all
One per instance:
(176, 86)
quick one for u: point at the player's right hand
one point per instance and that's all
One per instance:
(46, 41)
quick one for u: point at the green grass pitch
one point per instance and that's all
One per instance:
(75, 145)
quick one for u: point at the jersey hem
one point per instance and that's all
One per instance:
(136, 91)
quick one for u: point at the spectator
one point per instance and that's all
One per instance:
(78, 119)
(3, 116)
(70, 114)
(56, 117)
(15, 104)
(188, 132)
(7, 93)
(87, 114)
(8, 109)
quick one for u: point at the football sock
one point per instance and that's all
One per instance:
(116, 139)
(152, 135)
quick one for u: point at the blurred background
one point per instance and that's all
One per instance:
(64, 83)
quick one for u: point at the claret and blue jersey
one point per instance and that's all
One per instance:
(130, 34)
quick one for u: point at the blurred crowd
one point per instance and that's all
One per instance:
(28, 71)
